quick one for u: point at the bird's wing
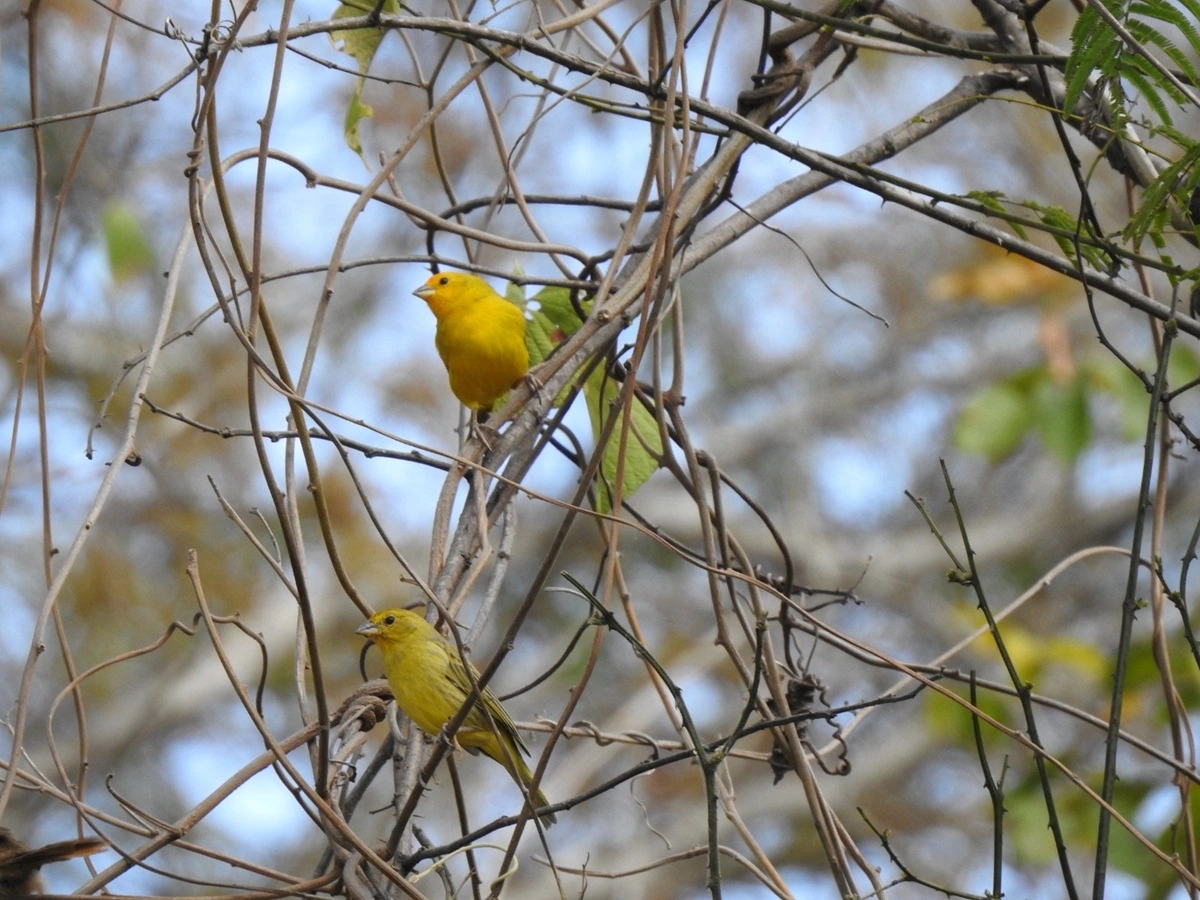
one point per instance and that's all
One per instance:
(476, 720)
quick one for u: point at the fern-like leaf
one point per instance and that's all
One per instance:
(1095, 49)
(1173, 15)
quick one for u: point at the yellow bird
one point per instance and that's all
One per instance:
(430, 684)
(480, 337)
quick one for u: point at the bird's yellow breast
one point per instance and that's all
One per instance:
(480, 337)
(418, 671)
(483, 346)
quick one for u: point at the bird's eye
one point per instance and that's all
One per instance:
(390, 620)
(443, 280)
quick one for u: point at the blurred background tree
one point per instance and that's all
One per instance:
(816, 269)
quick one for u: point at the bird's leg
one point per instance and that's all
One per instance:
(450, 740)
(478, 429)
(534, 381)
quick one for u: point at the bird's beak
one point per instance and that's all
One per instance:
(424, 292)
(367, 629)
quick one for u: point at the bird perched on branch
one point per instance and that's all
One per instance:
(430, 683)
(480, 337)
(19, 865)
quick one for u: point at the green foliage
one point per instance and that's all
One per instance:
(360, 43)
(1061, 416)
(1098, 51)
(1027, 823)
(950, 723)
(1113, 378)
(1178, 181)
(1109, 375)
(1103, 63)
(998, 418)
(356, 111)
(642, 450)
(994, 421)
(991, 200)
(555, 320)
(1183, 366)
(129, 250)
(1073, 235)
(1169, 13)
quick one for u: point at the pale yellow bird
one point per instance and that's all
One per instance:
(430, 684)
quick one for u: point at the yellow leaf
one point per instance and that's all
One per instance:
(1002, 279)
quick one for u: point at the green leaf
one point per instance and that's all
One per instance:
(643, 448)
(1094, 47)
(361, 44)
(355, 113)
(513, 292)
(1166, 12)
(1063, 420)
(1176, 181)
(556, 319)
(129, 250)
(994, 421)
(1025, 826)
(1100, 56)
(1081, 658)
(1110, 375)
(1089, 245)
(555, 304)
(1183, 366)
(543, 331)
(990, 200)
(541, 337)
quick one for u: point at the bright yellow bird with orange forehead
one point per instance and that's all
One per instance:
(480, 337)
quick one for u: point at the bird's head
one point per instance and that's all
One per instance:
(390, 625)
(445, 290)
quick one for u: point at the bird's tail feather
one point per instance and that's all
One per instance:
(512, 761)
